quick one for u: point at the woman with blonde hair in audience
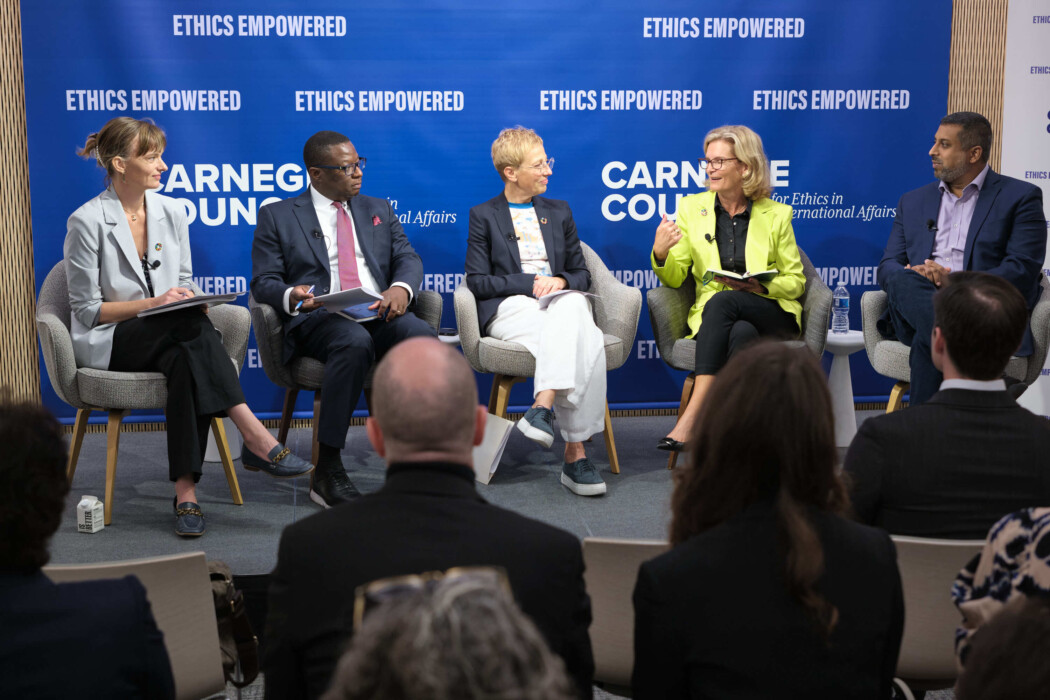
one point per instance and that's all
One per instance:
(127, 251)
(768, 591)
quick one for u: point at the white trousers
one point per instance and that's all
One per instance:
(570, 357)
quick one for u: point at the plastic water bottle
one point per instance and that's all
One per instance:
(840, 310)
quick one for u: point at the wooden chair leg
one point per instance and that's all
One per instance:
(286, 414)
(219, 431)
(112, 445)
(315, 450)
(896, 396)
(687, 393)
(500, 398)
(77, 440)
(610, 442)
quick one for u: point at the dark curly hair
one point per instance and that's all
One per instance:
(33, 484)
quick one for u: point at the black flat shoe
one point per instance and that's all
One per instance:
(280, 463)
(189, 520)
(670, 445)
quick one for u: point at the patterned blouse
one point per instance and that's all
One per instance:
(1015, 562)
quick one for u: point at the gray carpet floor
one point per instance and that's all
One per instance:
(246, 537)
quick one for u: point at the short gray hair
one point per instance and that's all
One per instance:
(462, 638)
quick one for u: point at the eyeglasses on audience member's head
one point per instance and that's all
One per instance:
(371, 595)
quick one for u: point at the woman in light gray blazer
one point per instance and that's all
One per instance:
(128, 250)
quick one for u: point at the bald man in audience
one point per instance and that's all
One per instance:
(428, 516)
(952, 466)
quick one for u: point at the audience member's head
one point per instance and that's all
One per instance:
(979, 321)
(511, 147)
(766, 432)
(33, 484)
(425, 404)
(460, 638)
(974, 130)
(1007, 656)
(122, 137)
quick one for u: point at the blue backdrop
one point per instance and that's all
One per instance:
(845, 95)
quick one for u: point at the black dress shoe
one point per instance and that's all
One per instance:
(189, 520)
(668, 444)
(280, 463)
(332, 487)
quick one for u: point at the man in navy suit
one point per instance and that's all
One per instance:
(327, 239)
(972, 219)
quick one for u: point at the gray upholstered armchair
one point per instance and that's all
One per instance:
(669, 311)
(890, 357)
(306, 373)
(118, 393)
(616, 311)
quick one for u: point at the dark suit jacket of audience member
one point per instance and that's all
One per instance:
(950, 467)
(91, 639)
(494, 263)
(427, 517)
(714, 619)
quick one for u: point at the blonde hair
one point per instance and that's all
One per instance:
(747, 146)
(511, 146)
(122, 137)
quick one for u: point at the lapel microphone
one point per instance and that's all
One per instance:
(931, 225)
(709, 238)
(317, 234)
(151, 265)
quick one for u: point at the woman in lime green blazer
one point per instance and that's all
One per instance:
(734, 227)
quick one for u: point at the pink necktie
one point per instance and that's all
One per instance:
(344, 236)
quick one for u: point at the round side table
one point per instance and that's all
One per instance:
(840, 383)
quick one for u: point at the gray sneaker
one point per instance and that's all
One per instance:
(538, 425)
(582, 478)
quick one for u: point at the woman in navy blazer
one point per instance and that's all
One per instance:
(768, 590)
(85, 639)
(522, 247)
(126, 251)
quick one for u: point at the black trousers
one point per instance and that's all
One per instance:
(730, 320)
(348, 350)
(202, 382)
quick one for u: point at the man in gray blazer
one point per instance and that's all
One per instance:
(327, 239)
(955, 464)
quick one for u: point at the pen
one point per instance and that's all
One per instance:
(308, 291)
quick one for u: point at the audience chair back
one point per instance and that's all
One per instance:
(669, 314)
(928, 568)
(890, 357)
(306, 373)
(179, 591)
(118, 393)
(617, 308)
(611, 570)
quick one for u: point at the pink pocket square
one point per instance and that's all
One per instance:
(375, 220)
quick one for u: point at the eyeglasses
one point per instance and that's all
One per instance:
(371, 595)
(347, 169)
(715, 163)
(549, 163)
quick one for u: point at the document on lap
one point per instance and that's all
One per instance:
(546, 299)
(763, 276)
(352, 303)
(203, 299)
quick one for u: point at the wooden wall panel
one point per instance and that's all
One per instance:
(18, 350)
(978, 60)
